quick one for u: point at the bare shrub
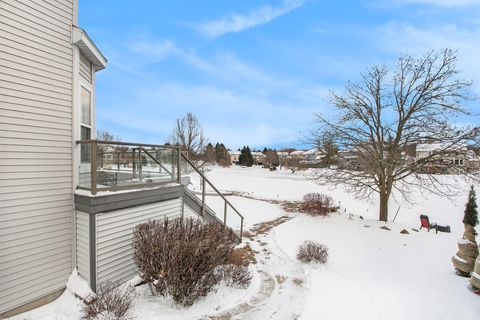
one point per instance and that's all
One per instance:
(317, 204)
(236, 275)
(311, 251)
(242, 256)
(111, 302)
(179, 258)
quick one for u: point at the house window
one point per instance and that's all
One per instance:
(85, 123)
(461, 162)
(456, 161)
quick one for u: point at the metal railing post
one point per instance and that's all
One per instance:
(140, 164)
(225, 214)
(134, 164)
(179, 174)
(241, 228)
(118, 160)
(203, 195)
(93, 167)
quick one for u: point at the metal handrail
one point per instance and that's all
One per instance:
(136, 146)
(179, 155)
(227, 203)
(122, 143)
(156, 160)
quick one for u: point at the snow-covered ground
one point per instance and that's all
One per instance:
(372, 273)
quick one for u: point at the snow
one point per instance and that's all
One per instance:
(372, 273)
(380, 274)
(78, 286)
(150, 307)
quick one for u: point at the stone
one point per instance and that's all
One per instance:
(404, 231)
(385, 228)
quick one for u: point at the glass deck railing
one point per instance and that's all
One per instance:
(112, 165)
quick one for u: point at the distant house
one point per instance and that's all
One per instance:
(444, 158)
(259, 157)
(298, 154)
(235, 156)
(69, 201)
(313, 156)
(283, 154)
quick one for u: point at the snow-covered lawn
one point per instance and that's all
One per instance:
(371, 273)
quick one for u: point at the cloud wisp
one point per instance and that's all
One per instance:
(239, 22)
(155, 51)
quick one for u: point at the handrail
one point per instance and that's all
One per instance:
(122, 143)
(205, 179)
(141, 147)
(156, 160)
(133, 147)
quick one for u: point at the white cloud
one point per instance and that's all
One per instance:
(157, 106)
(238, 22)
(155, 51)
(225, 66)
(397, 38)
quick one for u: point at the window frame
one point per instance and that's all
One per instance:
(89, 88)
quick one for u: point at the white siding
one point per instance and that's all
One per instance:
(36, 201)
(83, 245)
(86, 69)
(114, 237)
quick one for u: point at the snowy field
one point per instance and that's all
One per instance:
(371, 273)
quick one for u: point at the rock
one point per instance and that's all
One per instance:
(366, 226)
(361, 217)
(404, 231)
(385, 228)
(416, 230)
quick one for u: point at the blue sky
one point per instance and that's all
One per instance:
(255, 72)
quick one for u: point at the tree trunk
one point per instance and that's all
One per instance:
(383, 206)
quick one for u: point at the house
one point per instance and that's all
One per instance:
(235, 156)
(259, 158)
(68, 201)
(444, 157)
(282, 155)
(313, 155)
(299, 154)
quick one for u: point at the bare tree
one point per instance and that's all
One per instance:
(188, 134)
(104, 135)
(293, 164)
(388, 111)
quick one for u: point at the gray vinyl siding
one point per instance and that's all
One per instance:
(115, 233)
(83, 244)
(36, 200)
(189, 213)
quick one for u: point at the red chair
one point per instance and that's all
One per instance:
(425, 223)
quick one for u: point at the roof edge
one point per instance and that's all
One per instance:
(88, 48)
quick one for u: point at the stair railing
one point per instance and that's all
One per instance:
(205, 181)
